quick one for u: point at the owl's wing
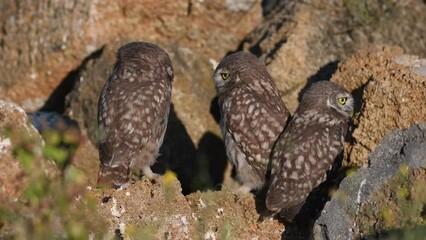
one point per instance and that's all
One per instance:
(285, 190)
(137, 117)
(113, 172)
(255, 126)
(300, 162)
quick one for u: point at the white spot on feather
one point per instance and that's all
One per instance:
(299, 162)
(251, 108)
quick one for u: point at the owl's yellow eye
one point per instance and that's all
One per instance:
(224, 76)
(342, 100)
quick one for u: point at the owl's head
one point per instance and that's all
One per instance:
(331, 95)
(238, 67)
(342, 102)
(145, 55)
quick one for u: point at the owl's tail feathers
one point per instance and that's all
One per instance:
(290, 213)
(276, 203)
(113, 176)
(287, 214)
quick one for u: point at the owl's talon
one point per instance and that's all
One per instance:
(147, 172)
(244, 189)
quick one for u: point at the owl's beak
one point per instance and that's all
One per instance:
(351, 114)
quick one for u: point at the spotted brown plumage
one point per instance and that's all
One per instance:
(133, 111)
(252, 115)
(308, 146)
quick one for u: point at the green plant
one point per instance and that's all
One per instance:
(53, 205)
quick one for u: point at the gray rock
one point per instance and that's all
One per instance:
(43, 121)
(397, 148)
(240, 5)
(417, 65)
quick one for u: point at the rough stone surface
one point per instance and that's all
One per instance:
(159, 209)
(229, 215)
(303, 41)
(388, 95)
(86, 159)
(46, 40)
(16, 132)
(388, 194)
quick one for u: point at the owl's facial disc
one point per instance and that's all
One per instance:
(222, 76)
(343, 103)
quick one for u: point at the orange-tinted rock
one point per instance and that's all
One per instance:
(42, 41)
(17, 137)
(389, 95)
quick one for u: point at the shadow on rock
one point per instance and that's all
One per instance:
(269, 6)
(200, 169)
(211, 160)
(358, 95)
(177, 152)
(215, 110)
(56, 100)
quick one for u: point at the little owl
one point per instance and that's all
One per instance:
(308, 146)
(252, 116)
(133, 112)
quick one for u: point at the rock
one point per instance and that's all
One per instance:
(62, 133)
(386, 195)
(388, 94)
(303, 41)
(47, 41)
(20, 150)
(86, 159)
(193, 92)
(159, 210)
(81, 104)
(45, 121)
(228, 215)
(156, 209)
